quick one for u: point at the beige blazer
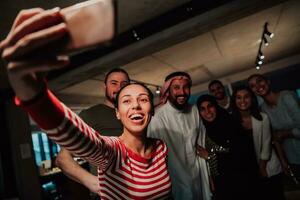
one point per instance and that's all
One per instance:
(262, 145)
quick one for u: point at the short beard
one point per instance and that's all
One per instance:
(176, 105)
(112, 100)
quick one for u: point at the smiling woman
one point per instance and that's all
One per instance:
(256, 126)
(131, 166)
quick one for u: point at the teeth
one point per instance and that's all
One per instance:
(136, 116)
(181, 98)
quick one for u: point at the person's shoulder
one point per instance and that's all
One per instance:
(193, 110)
(158, 143)
(287, 93)
(160, 110)
(193, 107)
(264, 115)
(288, 96)
(264, 106)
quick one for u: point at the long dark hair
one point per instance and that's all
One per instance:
(254, 108)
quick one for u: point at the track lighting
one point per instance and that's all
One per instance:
(259, 61)
(267, 32)
(258, 64)
(157, 91)
(265, 41)
(135, 35)
(260, 56)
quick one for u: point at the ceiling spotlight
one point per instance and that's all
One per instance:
(261, 55)
(271, 35)
(258, 61)
(135, 35)
(157, 91)
(257, 67)
(267, 32)
(265, 41)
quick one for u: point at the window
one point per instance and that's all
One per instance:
(44, 149)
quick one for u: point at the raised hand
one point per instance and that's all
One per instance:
(38, 32)
(32, 29)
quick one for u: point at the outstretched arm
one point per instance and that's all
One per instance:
(75, 172)
(26, 78)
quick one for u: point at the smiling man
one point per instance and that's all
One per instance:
(217, 89)
(178, 124)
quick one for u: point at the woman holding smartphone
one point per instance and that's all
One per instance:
(131, 166)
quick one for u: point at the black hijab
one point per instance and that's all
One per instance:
(223, 127)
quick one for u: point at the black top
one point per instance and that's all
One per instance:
(103, 119)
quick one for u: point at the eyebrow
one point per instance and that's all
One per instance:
(141, 94)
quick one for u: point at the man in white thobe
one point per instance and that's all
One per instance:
(178, 124)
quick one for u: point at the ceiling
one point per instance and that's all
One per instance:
(218, 44)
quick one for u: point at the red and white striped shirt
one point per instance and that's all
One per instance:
(122, 173)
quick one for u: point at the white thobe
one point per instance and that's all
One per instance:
(182, 130)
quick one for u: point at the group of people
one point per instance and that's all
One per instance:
(220, 148)
(242, 147)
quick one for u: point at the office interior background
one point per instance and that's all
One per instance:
(220, 39)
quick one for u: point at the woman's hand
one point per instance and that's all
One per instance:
(202, 152)
(32, 29)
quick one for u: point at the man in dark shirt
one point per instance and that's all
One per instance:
(217, 90)
(102, 118)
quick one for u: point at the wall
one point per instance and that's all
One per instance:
(20, 173)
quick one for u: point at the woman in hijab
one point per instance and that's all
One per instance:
(226, 151)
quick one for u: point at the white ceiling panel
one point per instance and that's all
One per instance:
(148, 69)
(190, 53)
(86, 88)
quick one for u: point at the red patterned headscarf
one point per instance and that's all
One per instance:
(165, 92)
